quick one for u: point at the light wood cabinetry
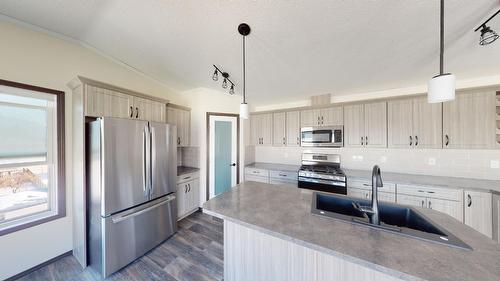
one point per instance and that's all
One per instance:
(279, 129)
(329, 116)
(363, 189)
(411, 200)
(414, 123)
(181, 117)
(496, 217)
(261, 129)
(478, 211)
(469, 121)
(188, 194)
(293, 128)
(365, 125)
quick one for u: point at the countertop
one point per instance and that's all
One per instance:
(286, 213)
(401, 178)
(182, 170)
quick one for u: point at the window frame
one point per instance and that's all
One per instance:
(60, 211)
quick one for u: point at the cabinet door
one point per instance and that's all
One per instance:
(469, 121)
(255, 129)
(376, 124)
(93, 101)
(142, 109)
(478, 211)
(427, 124)
(496, 217)
(267, 128)
(279, 129)
(293, 128)
(452, 208)
(331, 116)
(354, 125)
(173, 117)
(309, 118)
(184, 120)
(158, 112)
(193, 194)
(359, 193)
(181, 199)
(400, 123)
(387, 197)
(410, 200)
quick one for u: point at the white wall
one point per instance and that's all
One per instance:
(448, 162)
(201, 101)
(39, 59)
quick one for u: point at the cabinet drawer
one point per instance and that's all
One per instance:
(188, 177)
(367, 185)
(257, 172)
(293, 176)
(431, 192)
(282, 181)
(250, 177)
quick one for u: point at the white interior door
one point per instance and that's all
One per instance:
(223, 168)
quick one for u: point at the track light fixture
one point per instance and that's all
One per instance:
(225, 75)
(488, 36)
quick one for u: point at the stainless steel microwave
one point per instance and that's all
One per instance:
(327, 136)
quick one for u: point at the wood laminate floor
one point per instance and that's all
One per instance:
(195, 252)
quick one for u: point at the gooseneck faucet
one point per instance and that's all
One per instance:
(372, 211)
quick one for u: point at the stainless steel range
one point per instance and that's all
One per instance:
(322, 172)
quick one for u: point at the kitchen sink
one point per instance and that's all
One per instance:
(397, 219)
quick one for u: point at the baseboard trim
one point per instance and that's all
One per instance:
(35, 268)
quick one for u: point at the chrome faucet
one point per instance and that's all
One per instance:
(372, 211)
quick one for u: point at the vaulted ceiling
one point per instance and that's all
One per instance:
(297, 48)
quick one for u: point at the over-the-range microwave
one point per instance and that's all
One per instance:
(327, 136)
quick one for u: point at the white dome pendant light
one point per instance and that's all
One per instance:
(244, 30)
(441, 88)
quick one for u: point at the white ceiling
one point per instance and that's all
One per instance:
(297, 48)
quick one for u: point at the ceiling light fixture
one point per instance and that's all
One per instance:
(441, 88)
(488, 36)
(225, 75)
(244, 30)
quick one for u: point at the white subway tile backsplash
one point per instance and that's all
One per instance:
(447, 162)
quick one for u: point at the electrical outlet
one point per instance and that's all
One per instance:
(494, 164)
(432, 161)
(383, 159)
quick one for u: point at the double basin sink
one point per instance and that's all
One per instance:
(398, 219)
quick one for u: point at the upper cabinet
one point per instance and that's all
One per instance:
(279, 129)
(469, 121)
(414, 123)
(329, 116)
(181, 117)
(103, 102)
(293, 128)
(365, 125)
(261, 129)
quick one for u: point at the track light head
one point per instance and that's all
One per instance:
(224, 83)
(488, 36)
(231, 90)
(215, 77)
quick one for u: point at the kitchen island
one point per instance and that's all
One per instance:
(271, 234)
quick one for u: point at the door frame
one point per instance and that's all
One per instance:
(220, 114)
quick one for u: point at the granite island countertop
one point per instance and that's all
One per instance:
(286, 213)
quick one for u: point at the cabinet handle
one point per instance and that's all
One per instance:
(411, 140)
(189, 187)
(366, 140)
(447, 140)
(469, 200)
(282, 175)
(178, 140)
(423, 203)
(186, 178)
(284, 142)
(185, 188)
(298, 140)
(322, 120)
(430, 204)
(131, 112)
(416, 140)
(136, 112)
(362, 139)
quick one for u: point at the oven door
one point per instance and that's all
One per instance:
(322, 136)
(338, 187)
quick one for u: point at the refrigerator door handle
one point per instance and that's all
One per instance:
(118, 218)
(152, 163)
(145, 160)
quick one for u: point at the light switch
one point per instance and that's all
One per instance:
(432, 161)
(494, 164)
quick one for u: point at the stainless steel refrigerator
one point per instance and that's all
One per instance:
(131, 168)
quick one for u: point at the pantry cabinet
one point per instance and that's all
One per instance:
(261, 129)
(330, 116)
(478, 211)
(181, 117)
(293, 128)
(365, 125)
(469, 121)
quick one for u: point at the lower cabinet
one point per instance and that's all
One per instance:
(366, 194)
(496, 217)
(188, 195)
(478, 211)
(271, 176)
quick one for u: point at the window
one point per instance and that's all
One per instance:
(31, 156)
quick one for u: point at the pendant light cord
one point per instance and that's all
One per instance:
(244, 98)
(441, 52)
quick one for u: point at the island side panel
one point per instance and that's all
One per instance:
(253, 255)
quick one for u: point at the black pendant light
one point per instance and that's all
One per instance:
(488, 36)
(244, 30)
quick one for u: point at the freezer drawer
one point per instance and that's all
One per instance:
(130, 234)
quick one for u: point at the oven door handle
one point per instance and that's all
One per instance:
(327, 182)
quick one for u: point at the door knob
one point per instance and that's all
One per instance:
(232, 164)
